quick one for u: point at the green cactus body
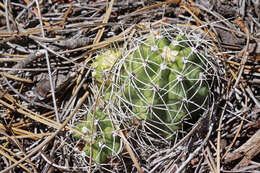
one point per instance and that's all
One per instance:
(161, 84)
(176, 88)
(105, 143)
(149, 74)
(104, 146)
(159, 81)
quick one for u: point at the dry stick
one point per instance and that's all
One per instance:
(243, 62)
(51, 163)
(35, 11)
(52, 87)
(43, 39)
(208, 161)
(31, 57)
(250, 150)
(169, 164)
(35, 137)
(53, 51)
(219, 137)
(31, 31)
(35, 69)
(7, 75)
(10, 16)
(221, 18)
(26, 8)
(63, 168)
(73, 43)
(40, 18)
(7, 16)
(148, 8)
(226, 21)
(18, 144)
(212, 146)
(16, 130)
(31, 114)
(10, 60)
(34, 116)
(47, 140)
(66, 15)
(204, 26)
(70, 101)
(237, 81)
(128, 148)
(99, 44)
(37, 30)
(211, 159)
(250, 153)
(249, 91)
(199, 23)
(235, 63)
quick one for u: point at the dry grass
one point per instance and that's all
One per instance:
(46, 51)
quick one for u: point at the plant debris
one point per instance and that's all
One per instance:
(46, 53)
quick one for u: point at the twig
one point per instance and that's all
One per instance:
(249, 91)
(7, 16)
(219, 138)
(52, 87)
(16, 78)
(40, 18)
(31, 57)
(209, 160)
(66, 15)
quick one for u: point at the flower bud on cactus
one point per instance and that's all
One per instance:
(103, 62)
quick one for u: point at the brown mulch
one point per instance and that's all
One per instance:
(57, 39)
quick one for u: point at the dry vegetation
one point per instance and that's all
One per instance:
(56, 40)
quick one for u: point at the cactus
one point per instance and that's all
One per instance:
(162, 82)
(106, 143)
(159, 81)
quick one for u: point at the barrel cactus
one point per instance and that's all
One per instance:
(159, 81)
(162, 82)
